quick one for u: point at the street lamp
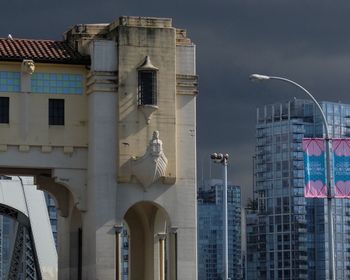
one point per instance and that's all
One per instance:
(223, 159)
(332, 271)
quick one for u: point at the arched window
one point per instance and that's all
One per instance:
(147, 83)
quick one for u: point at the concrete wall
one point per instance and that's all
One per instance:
(134, 44)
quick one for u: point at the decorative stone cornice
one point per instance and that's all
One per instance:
(173, 230)
(143, 22)
(186, 84)
(118, 228)
(148, 111)
(182, 39)
(101, 81)
(161, 235)
(147, 65)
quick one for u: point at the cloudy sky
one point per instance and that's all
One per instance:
(305, 40)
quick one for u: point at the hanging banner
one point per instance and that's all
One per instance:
(341, 167)
(314, 166)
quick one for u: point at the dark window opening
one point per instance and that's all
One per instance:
(147, 88)
(56, 111)
(4, 109)
(80, 254)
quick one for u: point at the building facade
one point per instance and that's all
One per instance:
(288, 239)
(210, 231)
(105, 120)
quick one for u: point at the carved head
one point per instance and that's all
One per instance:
(155, 134)
(28, 66)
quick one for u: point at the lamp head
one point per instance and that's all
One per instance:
(214, 156)
(258, 77)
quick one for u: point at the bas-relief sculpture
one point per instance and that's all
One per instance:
(152, 165)
(28, 66)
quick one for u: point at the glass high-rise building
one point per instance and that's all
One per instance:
(210, 231)
(252, 252)
(7, 231)
(52, 211)
(290, 234)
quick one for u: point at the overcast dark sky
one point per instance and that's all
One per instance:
(307, 41)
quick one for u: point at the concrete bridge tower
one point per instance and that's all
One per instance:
(106, 122)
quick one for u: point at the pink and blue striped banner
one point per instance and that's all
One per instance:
(341, 167)
(314, 168)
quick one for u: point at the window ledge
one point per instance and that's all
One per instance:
(148, 110)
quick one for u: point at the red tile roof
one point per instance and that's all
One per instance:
(45, 51)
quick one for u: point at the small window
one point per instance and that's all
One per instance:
(147, 87)
(56, 111)
(4, 109)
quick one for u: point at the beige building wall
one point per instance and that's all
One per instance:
(29, 113)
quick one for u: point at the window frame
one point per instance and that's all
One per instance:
(56, 117)
(147, 87)
(4, 115)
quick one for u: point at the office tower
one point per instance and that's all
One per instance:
(291, 234)
(210, 231)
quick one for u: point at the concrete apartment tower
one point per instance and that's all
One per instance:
(105, 120)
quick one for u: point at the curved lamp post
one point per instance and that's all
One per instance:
(258, 77)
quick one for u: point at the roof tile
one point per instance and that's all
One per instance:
(45, 51)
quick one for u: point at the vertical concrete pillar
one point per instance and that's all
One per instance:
(118, 246)
(162, 237)
(27, 69)
(173, 253)
(63, 240)
(99, 220)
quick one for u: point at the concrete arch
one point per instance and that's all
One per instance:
(59, 192)
(148, 223)
(63, 185)
(155, 204)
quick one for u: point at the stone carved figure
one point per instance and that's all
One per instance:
(156, 145)
(152, 165)
(28, 66)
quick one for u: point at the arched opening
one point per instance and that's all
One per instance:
(148, 226)
(69, 228)
(66, 261)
